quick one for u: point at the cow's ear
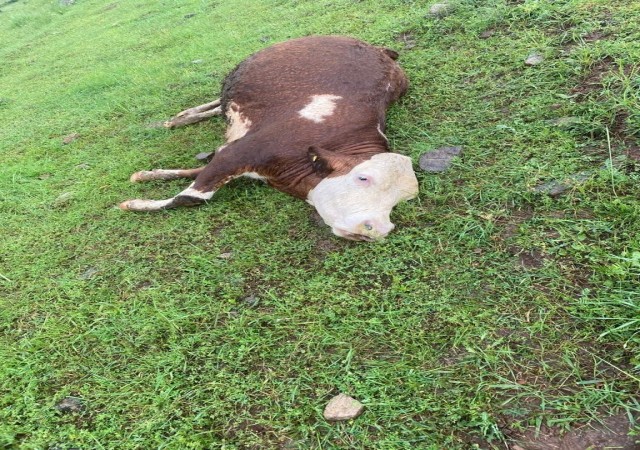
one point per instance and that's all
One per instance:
(321, 160)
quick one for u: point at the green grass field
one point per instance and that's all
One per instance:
(493, 313)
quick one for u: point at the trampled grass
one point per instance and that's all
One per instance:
(494, 308)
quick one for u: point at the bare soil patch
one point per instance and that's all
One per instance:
(608, 433)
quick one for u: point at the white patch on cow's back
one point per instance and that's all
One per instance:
(239, 124)
(320, 107)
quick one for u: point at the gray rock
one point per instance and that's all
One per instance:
(251, 301)
(89, 273)
(342, 407)
(534, 59)
(440, 10)
(70, 405)
(557, 187)
(63, 199)
(203, 156)
(439, 160)
(564, 122)
(69, 138)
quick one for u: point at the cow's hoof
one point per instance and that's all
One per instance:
(124, 205)
(139, 176)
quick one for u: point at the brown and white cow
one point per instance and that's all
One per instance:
(308, 117)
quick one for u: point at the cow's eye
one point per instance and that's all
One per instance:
(361, 178)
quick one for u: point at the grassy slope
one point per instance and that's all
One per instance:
(492, 308)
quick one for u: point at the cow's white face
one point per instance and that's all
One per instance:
(357, 205)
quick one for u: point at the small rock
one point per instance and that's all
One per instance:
(486, 34)
(89, 273)
(83, 166)
(70, 405)
(342, 407)
(533, 59)
(227, 255)
(265, 39)
(69, 138)
(440, 10)
(556, 187)
(203, 156)
(63, 199)
(565, 121)
(252, 301)
(439, 160)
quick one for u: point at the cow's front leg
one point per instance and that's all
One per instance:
(188, 197)
(224, 167)
(165, 174)
(195, 114)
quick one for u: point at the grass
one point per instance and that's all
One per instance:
(491, 310)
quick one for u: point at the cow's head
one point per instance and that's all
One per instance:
(356, 203)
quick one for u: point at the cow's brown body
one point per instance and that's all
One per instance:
(300, 112)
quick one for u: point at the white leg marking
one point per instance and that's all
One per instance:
(145, 205)
(321, 107)
(190, 192)
(239, 124)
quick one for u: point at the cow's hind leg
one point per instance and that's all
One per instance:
(195, 114)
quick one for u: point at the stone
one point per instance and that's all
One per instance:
(89, 273)
(440, 10)
(564, 122)
(533, 59)
(70, 405)
(63, 199)
(556, 187)
(69, 138)
(342, 407)
(203, 156)
(486, 34)
(439, 160)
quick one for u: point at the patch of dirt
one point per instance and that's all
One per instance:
(592, 81)
(531, 259)
(608, 433)
(595, 36)
(512, 223)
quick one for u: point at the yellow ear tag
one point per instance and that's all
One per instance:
(315, 158)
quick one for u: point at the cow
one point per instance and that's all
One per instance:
(308, 117)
